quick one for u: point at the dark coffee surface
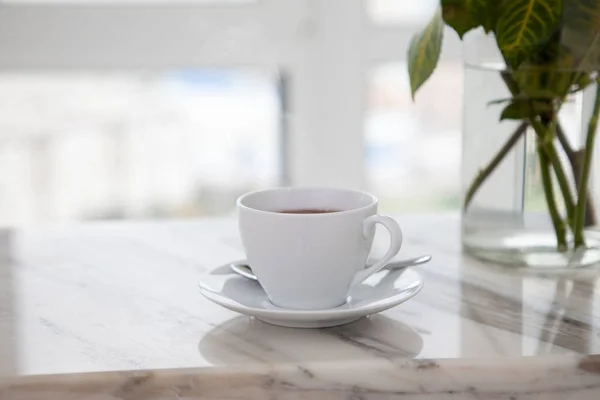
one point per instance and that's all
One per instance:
(308, 211)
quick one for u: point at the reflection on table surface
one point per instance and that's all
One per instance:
(122, 296)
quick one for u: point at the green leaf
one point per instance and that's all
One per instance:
(517, 98)
(544, 83)
(582, 81)
(499, 101)
(524, 25)
(523, 109)
(486, 12)
(581, 32)
(464, 15)
(424, 52)
(551, 54)
(551, 79)
(582, 15)
(516, 110)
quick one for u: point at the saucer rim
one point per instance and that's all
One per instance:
(308, 315)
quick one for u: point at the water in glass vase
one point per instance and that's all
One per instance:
(506, 186)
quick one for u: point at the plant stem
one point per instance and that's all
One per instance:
(575, 158)
(546, 139)
(564, 142)
(557, 222)
(485, 172)
(546, 144)
(585, 174)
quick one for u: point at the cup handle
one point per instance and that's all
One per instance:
(395, 243)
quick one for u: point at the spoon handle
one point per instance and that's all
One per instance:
(408, 263)
(244, 270)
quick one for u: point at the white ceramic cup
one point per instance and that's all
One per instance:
(312, 261)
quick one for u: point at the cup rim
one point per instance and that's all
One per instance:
(240, 200)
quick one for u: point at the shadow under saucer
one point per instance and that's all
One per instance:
(243, 340)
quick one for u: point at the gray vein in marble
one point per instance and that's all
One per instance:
(373, 380)
(118, 297)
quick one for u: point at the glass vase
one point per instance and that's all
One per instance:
(506, 178)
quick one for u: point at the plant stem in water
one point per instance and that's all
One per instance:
(585, 174)
(545, 134)
(546, 144)
(557, 222)
(564, 142)
(485, 172)
(575, 158)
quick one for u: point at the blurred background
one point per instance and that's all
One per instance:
(116, 109)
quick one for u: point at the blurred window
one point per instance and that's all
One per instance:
(413, 148)
(182, 105)
(400, 12)
(118, 145)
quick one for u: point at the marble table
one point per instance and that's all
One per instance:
(111, 311)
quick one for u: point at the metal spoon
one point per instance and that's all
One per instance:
(245, 270)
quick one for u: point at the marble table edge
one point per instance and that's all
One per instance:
(514, 377)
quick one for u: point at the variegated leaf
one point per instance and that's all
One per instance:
(424, 52)
(581, 32)
(464, 15)
(525, 25)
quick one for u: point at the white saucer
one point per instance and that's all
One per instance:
(380, 292)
